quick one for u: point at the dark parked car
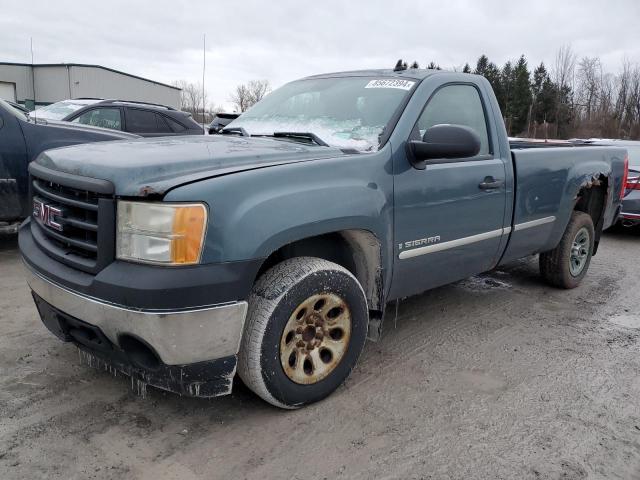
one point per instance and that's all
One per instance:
(220, 121)
(630, 212)
(21, 140)
(19, 107)
(145, 119)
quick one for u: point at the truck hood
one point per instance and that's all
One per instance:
(154, 166)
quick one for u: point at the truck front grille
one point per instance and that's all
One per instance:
(73, 225)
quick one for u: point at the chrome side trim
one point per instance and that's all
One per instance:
(630, 215)
(179, 338)
(533, 223)
(438, 247)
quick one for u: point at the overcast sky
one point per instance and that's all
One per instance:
(281, 40)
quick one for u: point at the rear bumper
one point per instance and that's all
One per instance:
(176, 337)
(630, 211)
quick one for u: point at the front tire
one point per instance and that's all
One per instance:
(566, 265)
(306, 327)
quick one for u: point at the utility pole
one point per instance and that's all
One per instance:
(204, 64)
(33, 80)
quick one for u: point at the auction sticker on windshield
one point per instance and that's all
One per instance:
(390, 83)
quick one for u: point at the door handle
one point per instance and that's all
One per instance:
(490, 183)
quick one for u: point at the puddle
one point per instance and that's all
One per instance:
(481, 283)
(629, 321)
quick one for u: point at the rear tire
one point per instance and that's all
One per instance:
(566, 265)
(306, 327)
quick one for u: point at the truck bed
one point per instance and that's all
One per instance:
(547, 187)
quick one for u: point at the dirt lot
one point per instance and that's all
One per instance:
(498, 376)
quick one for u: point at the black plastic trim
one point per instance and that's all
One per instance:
(89, 247)
(65, 200)
(149, 287)
(69, 180)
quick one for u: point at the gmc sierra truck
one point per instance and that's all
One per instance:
(272, 249)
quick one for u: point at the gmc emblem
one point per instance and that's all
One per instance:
(47, 215)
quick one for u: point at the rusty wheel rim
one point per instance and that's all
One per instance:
(316, 338)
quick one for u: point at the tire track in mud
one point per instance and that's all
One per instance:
(498, 376)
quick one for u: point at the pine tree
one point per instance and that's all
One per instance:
(415, 65)
(482, 65)
(545, 95)
(433, 66)
(466, 68)
(520, 96)
(565, 110)
(399, 66)
(490, 71)
(504, 95)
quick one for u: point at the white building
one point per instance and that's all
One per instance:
(42, 84)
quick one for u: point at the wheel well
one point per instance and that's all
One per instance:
(356, 250)
(591, 199)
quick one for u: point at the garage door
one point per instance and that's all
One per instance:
(8, 91)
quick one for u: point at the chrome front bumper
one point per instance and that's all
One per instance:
(178, 337)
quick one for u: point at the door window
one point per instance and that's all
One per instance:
(457, 105)
(101, 117)
(176, 127)
(141, 121)
(162, 125)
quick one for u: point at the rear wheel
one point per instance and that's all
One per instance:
(306, 326)
(566, 265)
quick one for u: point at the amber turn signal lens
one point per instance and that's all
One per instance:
(188, 234)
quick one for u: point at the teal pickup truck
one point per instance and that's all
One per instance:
(271, 250)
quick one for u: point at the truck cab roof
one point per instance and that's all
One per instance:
(412, 73)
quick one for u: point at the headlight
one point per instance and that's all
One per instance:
(162, 233)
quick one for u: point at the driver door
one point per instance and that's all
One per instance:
(448, 225)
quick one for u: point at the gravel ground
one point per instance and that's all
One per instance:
(497, 376)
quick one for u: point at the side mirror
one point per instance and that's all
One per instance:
(441, 143)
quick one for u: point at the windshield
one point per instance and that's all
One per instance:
(634, 156)
(59, 110)
(347, 112)
(14, 111)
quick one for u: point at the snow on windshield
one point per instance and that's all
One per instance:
(345, 112)
(59, 110)
(337, 133)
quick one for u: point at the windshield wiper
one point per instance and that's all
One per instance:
(236, 130)
(302, 135)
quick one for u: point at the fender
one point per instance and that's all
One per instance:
(255, 212)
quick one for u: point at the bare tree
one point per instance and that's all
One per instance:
(623, 112)
(192, 101)
(564, 67)
(589, 86)
(563, 76)
(634, 102)
(247, 95)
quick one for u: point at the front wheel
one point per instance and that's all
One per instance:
(566, 265)
(306, 326)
